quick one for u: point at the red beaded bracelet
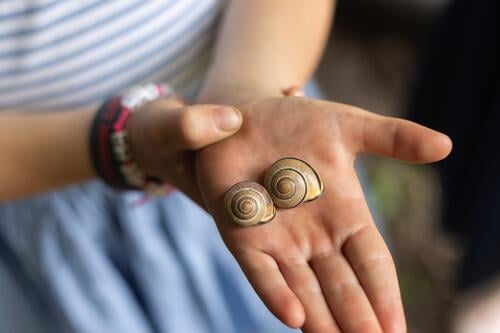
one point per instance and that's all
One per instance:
(109, 146)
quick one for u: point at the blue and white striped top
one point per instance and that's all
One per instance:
(60, 54)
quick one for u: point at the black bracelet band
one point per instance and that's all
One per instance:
(104, 160)
(109, 143)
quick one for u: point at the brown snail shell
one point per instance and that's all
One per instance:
(247, 204)
(291, 181)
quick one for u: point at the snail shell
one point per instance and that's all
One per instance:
(291, 181)
(247, 204)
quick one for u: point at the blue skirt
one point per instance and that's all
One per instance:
(89, 259)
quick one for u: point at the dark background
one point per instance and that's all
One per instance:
(372, 61)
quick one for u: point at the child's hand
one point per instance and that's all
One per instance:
(323, 265)
(164, 133)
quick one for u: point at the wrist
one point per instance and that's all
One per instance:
(234, 92)
(231, 94)
(110, 147)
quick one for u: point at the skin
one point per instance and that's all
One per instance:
(41, 152)
(164, 135)
(321, 266)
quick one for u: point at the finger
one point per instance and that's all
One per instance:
(353, 232)
(401, 139)
(201, 125)
(344, 295)
(302, 280)
(192, 127)
(264, 275)
(374, 267)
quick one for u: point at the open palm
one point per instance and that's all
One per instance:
(323, 265)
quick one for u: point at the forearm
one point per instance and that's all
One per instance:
(41, 152)
(264, 46)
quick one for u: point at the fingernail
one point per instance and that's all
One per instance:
(227, 118)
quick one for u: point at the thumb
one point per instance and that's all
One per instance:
(197, 126)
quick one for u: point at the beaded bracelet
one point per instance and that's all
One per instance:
(109, 145)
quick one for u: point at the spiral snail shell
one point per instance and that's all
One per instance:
(247, 204)
(291, 181)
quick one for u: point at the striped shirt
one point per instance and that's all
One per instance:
(61, 54)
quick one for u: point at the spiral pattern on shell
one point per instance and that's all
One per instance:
(291, 181)
(247, 204)
(288, 188)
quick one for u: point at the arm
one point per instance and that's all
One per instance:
(42, 152)
(265, 46)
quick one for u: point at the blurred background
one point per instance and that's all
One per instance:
(371, 62)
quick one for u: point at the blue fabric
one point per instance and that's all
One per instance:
(202, 24)
(79, 11)
(76, 54)
(29, 10)
(88, 259)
